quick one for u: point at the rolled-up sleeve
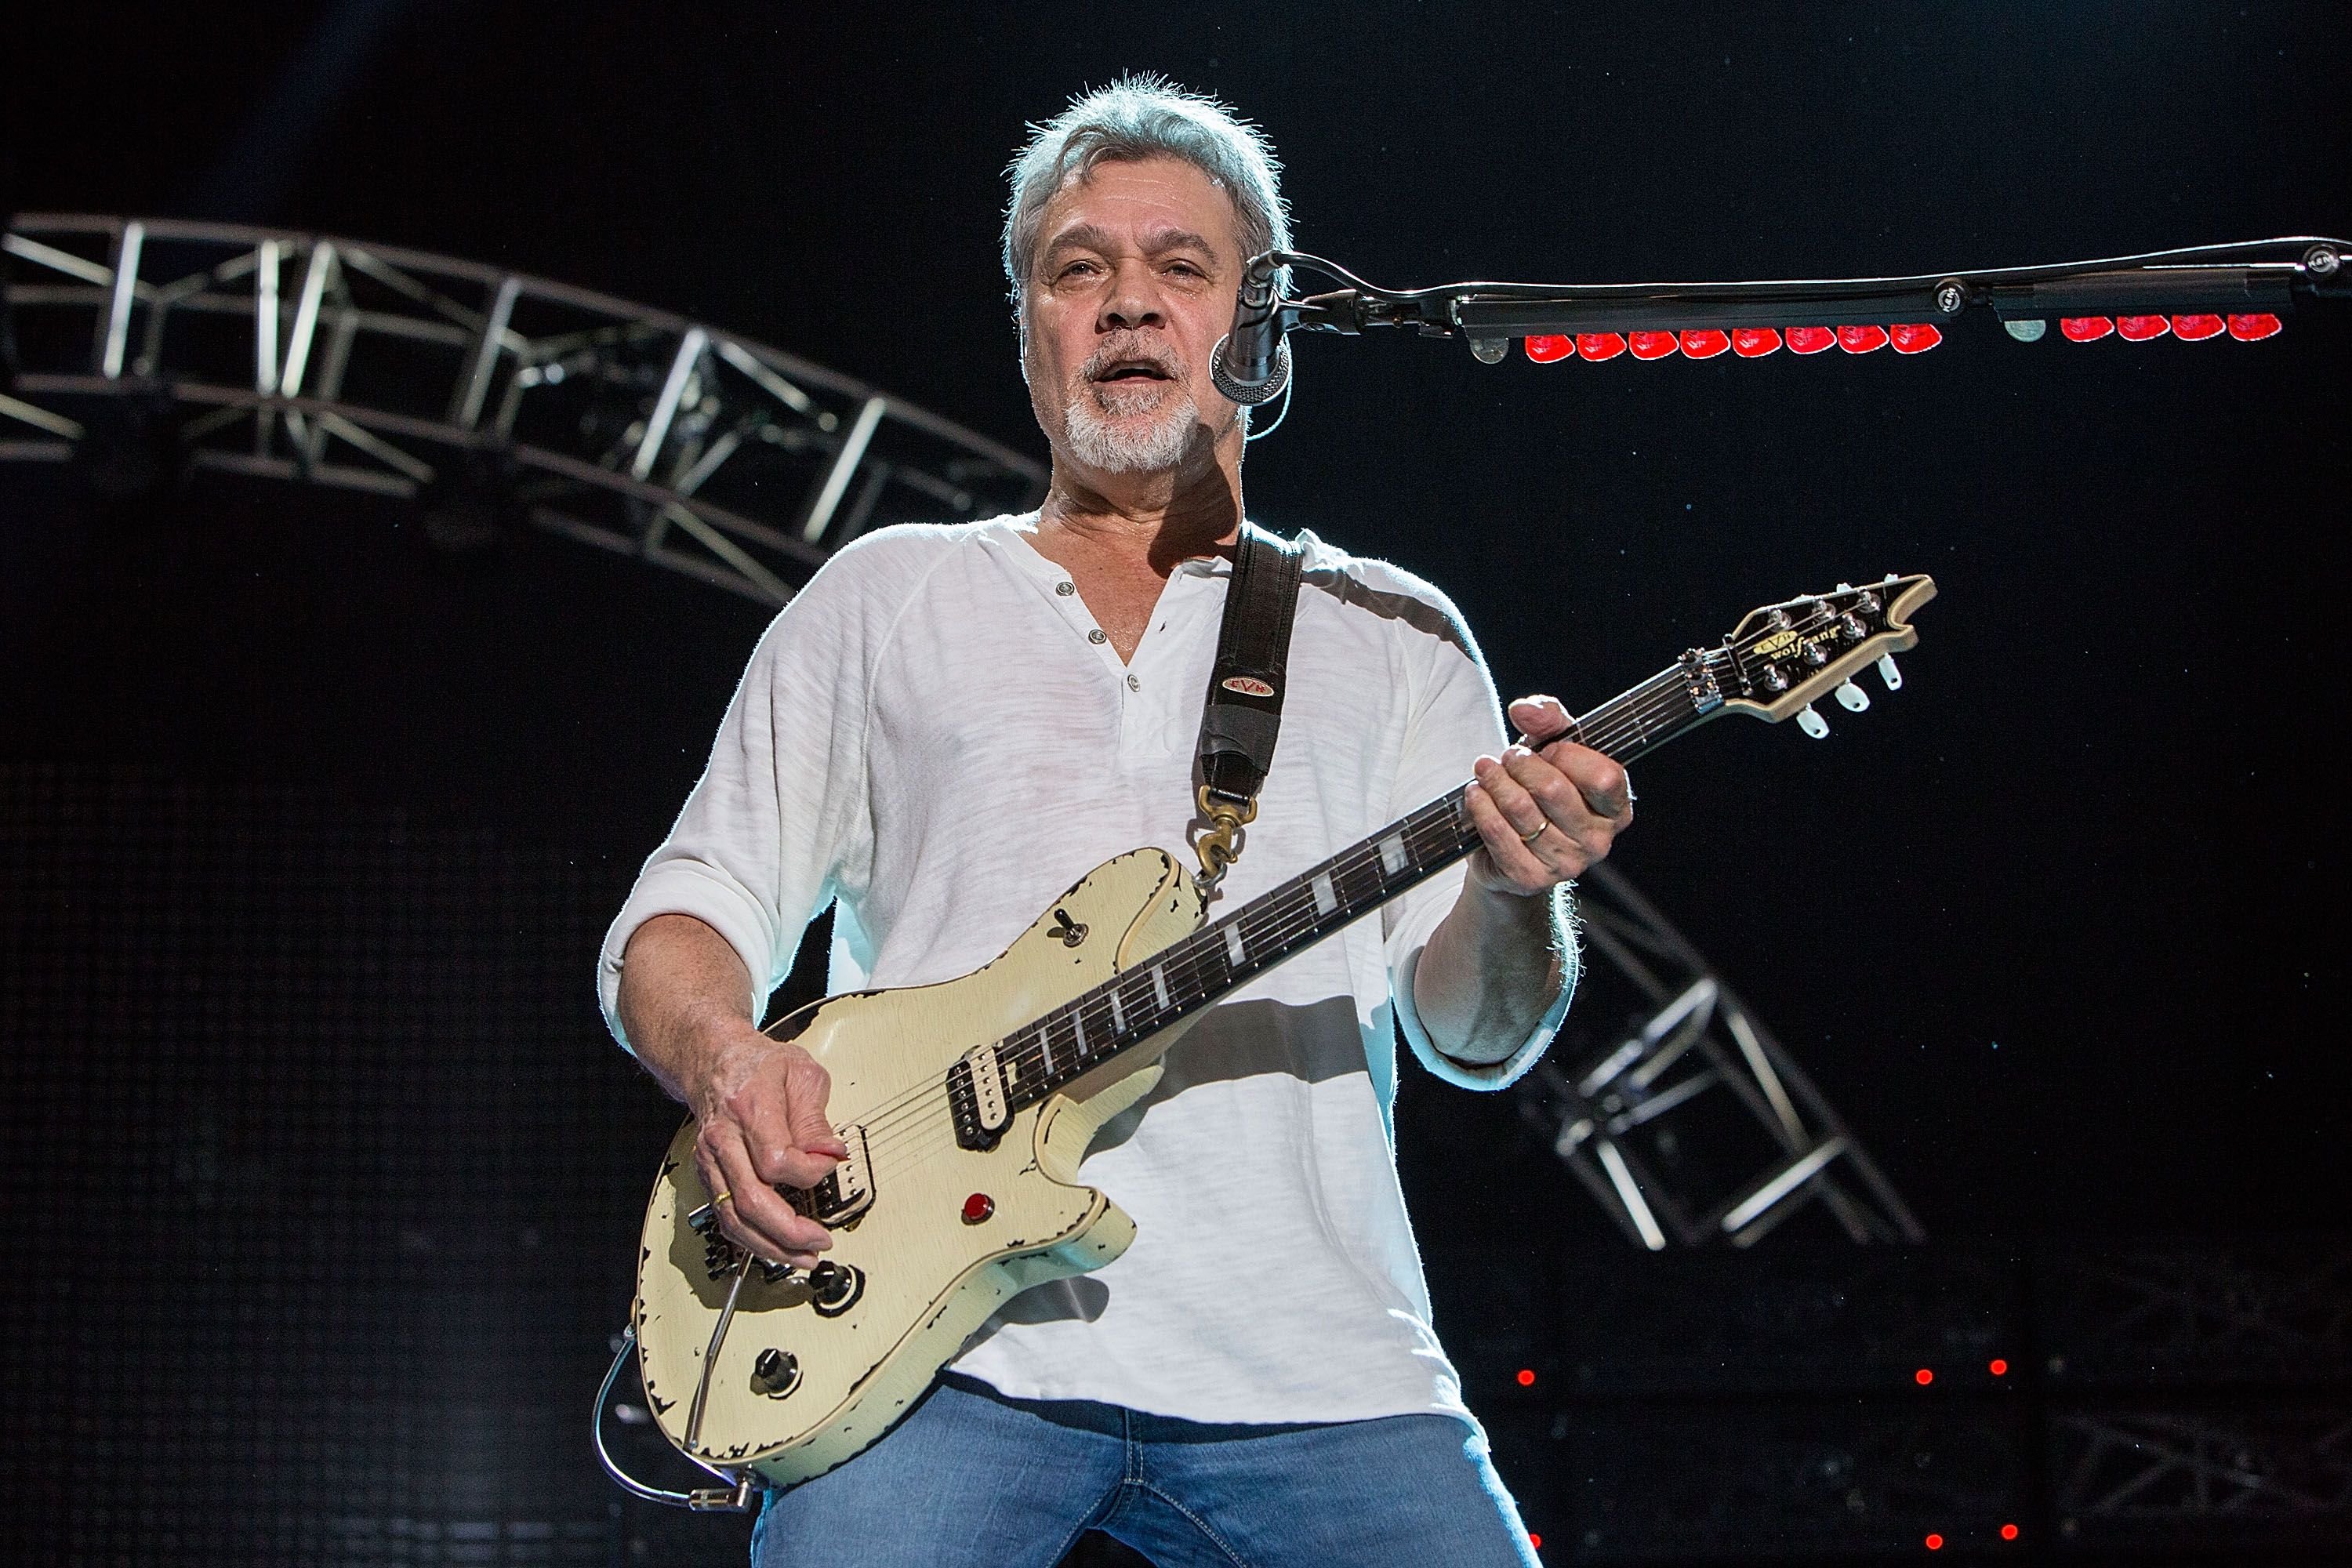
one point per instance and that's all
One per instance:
(755, 852)
(1454, 720)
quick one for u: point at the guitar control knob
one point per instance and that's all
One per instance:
(1812, 723)
(1888, 673)
(834, 1288)
(1852, 697)
(776, 1372)
(977, 1207)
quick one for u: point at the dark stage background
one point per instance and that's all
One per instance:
(320, 1177)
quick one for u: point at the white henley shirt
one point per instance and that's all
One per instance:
(935, 737)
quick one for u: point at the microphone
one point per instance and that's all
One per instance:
(1251, 364)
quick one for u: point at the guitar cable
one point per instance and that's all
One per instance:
(735, 1496)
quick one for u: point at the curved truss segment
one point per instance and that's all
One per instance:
(369, 367)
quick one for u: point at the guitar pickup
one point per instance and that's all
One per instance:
(846, 1191)
(978, 1100)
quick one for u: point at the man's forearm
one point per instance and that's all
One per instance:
(1490, 971)
(683, 993)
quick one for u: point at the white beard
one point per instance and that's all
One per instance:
(1121, 446)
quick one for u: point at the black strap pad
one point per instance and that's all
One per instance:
(1243, 714)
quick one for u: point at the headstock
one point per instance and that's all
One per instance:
(1784, 656)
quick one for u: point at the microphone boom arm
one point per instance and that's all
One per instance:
(2256, 276)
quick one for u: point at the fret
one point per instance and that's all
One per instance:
(1361, 880)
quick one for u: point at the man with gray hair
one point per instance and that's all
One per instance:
(1255, 1380)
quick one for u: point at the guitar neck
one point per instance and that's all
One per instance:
(1197, 971)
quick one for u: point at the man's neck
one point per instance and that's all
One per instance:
(1157, 520)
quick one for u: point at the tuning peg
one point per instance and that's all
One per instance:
(1812, 723)
(1852, 698)
(1888, 673)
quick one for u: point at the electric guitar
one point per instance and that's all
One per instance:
(967, 1105)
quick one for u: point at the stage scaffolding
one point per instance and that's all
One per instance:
(146, 346)
(1653, 1120)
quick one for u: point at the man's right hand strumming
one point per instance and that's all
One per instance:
(759, 1104)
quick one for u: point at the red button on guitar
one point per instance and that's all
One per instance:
(977, 1207)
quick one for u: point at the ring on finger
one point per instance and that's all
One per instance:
(1538, 833)
(722, 1197)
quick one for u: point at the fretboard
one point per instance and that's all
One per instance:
(1196, 971)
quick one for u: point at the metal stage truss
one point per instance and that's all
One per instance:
(141, 347)
(367, 367)
(1653, 1120)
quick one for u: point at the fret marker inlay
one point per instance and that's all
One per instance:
(1233, 955)
(1392, 856)
(1326, 900)
(1160, 986)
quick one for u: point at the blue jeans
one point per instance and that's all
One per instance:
(973, 1478)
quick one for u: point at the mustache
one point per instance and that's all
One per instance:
(1131, 348)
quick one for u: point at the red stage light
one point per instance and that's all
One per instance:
(1599, 346)
(1527, 1377)
(1998, 1367)
(1860, 340)
(2008, 1532)
(1705, 343)
(2253, 328)
(1924, 1376)
(1934, 1542)
(1810, 340)
(2197, 329)
(1752, 342)
(2139, 329)
(1651, 345)
(1544, 350)
(1914, 338)
(2085, 329)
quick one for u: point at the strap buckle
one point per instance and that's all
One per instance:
(1219, 844)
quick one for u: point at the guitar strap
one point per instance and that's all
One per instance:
(1243, 715)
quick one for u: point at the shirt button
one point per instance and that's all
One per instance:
(1065, 589)
(1133, 684)
(1098, 634)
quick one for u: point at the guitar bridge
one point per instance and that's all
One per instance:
(846, 1191)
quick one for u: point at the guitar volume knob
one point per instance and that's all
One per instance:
(834, 1288)
(776, 1372)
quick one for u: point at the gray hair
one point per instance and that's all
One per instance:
(1144, 116)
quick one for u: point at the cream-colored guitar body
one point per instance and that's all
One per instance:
(929, 1275)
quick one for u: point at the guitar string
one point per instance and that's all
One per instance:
(1194, 974)
(1196, 969)
(1282, 915)
(1193, 968)
(1638, 713)
(1634, 716)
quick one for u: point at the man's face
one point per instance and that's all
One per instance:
(1136, 271)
